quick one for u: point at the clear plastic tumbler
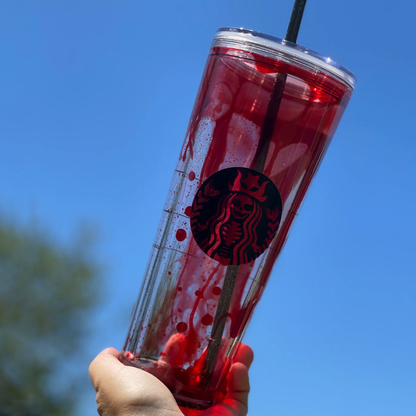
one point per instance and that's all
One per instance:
(232, 200)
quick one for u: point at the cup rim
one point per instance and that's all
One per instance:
(275, 44)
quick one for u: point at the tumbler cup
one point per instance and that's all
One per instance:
(239, 181)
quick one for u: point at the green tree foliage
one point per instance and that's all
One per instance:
(46, 292)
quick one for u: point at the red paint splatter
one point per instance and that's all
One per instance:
(169, 273)
(207, 319)
(238, 322)
(181, 327)
(216, 291)
(193, 270)
(188, 211)
(191, 175)
(180, 234)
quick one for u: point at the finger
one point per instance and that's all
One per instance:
(244, 355)
(104, 365)
(174, 350)
(238, 388)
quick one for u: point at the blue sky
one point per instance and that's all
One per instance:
(95, 98)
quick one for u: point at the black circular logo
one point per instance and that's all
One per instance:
(235, 215)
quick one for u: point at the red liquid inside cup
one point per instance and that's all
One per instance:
(173, 324)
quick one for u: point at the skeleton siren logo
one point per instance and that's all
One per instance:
(235, 215)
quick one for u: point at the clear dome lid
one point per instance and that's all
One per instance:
(267, 45)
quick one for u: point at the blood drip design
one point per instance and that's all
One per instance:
(235, 215)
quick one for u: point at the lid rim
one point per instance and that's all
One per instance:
(282, 45)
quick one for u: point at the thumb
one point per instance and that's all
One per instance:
(127, 389)
(104, 366)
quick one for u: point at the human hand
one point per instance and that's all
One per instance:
(127, 391)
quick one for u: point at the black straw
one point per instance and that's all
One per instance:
(295, 20)
(277, 92)
(259, 163)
